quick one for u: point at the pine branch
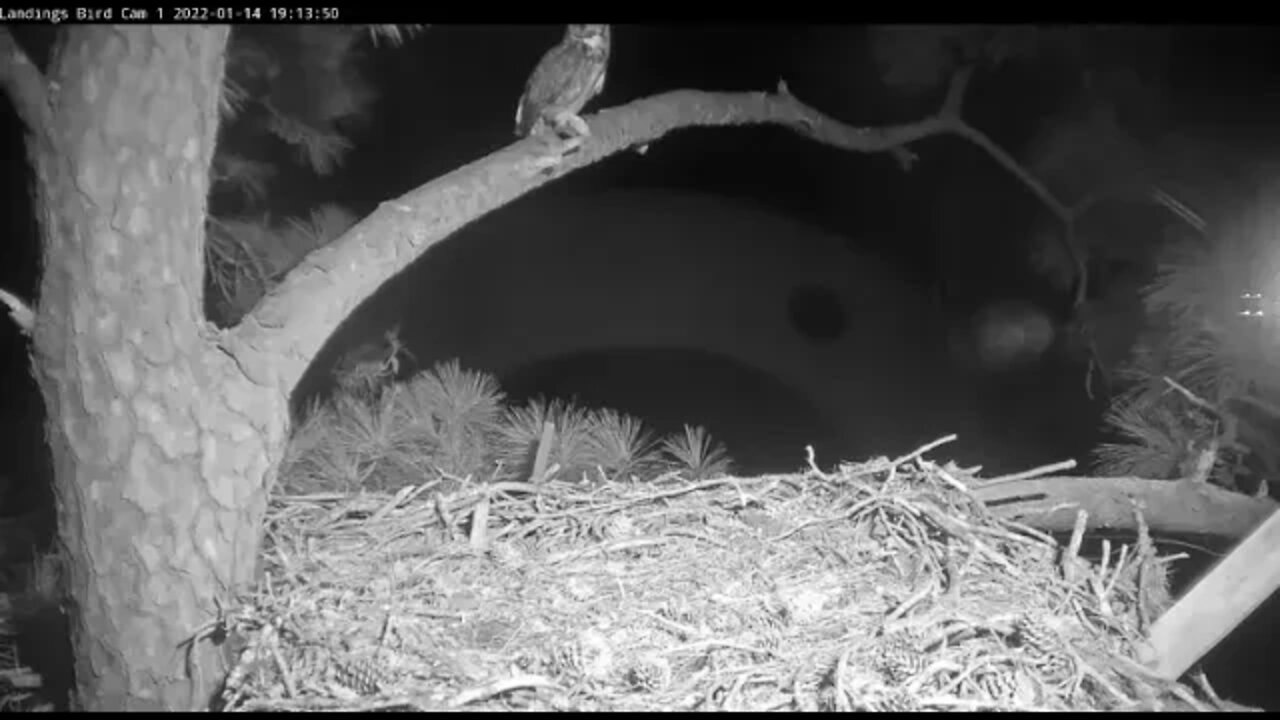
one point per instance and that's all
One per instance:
(25, 84)
(1154, 442)
(242, 175)
(620, 443)
(321, 150)
(697, 453)
(1214, 355)
(396, 34)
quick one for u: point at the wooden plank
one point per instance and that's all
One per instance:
(1219, 602)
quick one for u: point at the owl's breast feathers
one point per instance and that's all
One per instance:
(566, 79)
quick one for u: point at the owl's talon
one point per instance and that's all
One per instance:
(555, 155)
(546, 162)
(574, 122)
(570, 145)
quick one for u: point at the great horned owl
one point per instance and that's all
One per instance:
(565, 80)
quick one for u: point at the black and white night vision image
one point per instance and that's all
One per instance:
(621, 367)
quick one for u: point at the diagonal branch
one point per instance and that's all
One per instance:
(24, 84)
(1172, 508)
(1008, 162)
(953, 103)
(1066, 215)
(952, 116)
(274, 343)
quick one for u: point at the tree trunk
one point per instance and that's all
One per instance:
(163, 450)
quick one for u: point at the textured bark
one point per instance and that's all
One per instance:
(1169, 507)
(163, 450)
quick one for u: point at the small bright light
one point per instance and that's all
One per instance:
(1253, 304)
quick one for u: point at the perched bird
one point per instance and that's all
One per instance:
(565, 80)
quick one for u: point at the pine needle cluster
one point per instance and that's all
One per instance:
(300, 86)
(1202, 388)
(455, 424)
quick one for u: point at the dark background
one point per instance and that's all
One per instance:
(956, 221)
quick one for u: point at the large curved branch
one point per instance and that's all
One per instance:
(275, 342)
(24, 83)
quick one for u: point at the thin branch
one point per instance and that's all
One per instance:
(953, 104)
(955, 124)
(1193, 398)
(1032, 473)
(951, 115)
(24, 83)
(1071, 557)
(784, 109)
(21, 313)
(1064, 214)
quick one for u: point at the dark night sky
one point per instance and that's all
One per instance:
(448, 98)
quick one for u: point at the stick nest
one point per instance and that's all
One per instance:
(881, 586)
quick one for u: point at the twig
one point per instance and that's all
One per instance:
(1195, 399)
(1202, 681)
(21, 313)
(480, 523)
(906, 605)
(544, 450)
(941, 472)
(1095, 361)
(1033, 534)
(1098, 580)
(813, 465)
(923, 449)
(497, 687)
(1121, 564)
(1186, 696)
(403, 496)
(1071, 557)
(1064, 214)
(953, 103)
(1162, 198)
(1032, 473)
(842, 672)
(1144, 553)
